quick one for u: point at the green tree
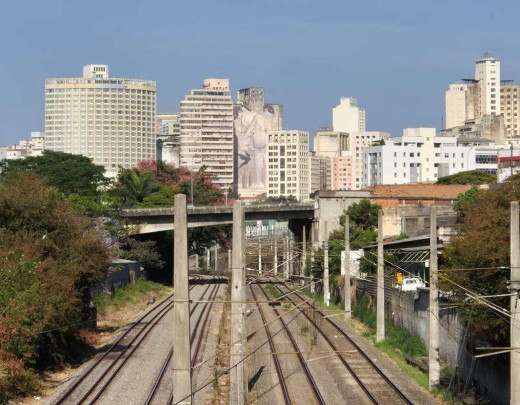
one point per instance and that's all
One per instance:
(49, 258)
(482, 242)
(145, 252)
(70, 174)
(473, 177)
(134, 186)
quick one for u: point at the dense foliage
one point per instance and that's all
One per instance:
(482, 242)
(473, 177)
(49, 256)
(363, 232)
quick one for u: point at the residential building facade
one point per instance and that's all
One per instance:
(168, 134)
(329, 143)
(110, 120)
(206, 131)
(289, 164)
(348, 116)
(25, 148)
(421, 156)
(358, 141)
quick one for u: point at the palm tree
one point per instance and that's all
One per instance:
(136, 186)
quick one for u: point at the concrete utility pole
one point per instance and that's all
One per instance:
(216, 257)
(304, 256)
(208, 259)
(275, 257)
(181, 308)
(514, 375)
(380, 331)
(196, 262)
(326, 287)
(237, 389)
(434, 368)
(313, 228)
(346, 280)
(229, 259)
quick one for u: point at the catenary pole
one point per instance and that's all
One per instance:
(346, 280)
(181, 307)
(515, 305)
(433, 345)
(237, 391)
(326, 286)
(380, 328)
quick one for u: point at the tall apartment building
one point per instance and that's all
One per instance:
(110, 120)
(357, 143)
(288, 164)
(168, 133)
(509, 105)
(486, 94)
(343, 172)
(329, 143)
(487, 75)
(206, 131)
(421, 156)
(347, 116)
(315, 173)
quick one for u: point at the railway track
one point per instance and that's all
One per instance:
(90, 385)
(308, 375)
(376, 385)
(198, 329)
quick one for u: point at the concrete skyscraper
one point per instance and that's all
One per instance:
(289, 164)
(110, 120)
(347, 116)
(206, 131)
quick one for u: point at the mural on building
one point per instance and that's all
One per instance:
(253, 119)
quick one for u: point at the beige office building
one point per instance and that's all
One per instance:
(206, 131)
(168, 134)
(289, 168)
(509, 103)
(348, 116)
(110, 120)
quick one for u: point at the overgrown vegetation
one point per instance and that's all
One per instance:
(472, 177)
(49, 256)
(482, 242)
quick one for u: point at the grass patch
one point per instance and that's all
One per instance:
(130, 294)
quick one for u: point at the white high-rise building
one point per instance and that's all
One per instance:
(289, 164)
(110, 120)
(347, 116)
(487, 74)
(206, 131)
(358, 141)
(420, 156)
(474, 98)
(168, 133)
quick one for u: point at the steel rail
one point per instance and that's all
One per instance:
(276, 360)
(308, 374)
(380, 372)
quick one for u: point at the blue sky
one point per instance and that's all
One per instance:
(396, 57)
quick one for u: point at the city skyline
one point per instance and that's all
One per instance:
(397, 68)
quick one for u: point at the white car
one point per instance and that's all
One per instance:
(411, 284)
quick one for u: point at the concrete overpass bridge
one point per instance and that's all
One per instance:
(149, 220)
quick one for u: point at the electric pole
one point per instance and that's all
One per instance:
(346, 280)
(380, 331)
(181, 307)
(433, 349)
(514, 375)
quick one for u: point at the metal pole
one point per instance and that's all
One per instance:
(433, 350)
(275, 258)
(304, 256)
(346, 280)
(311, 274)
(181, 308)
(287, 257)
(380, 332)
(237, 392)
(259, 256)
(326, 286)
(515, 313)
(216, 257)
